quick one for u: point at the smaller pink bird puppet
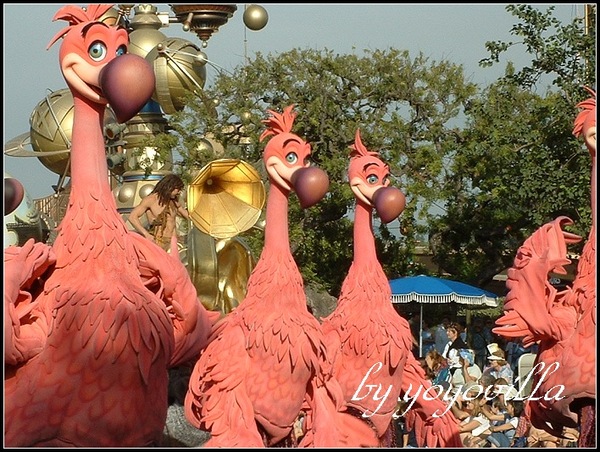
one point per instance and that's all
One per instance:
(266, 365)
(93, 323)
(369, 343)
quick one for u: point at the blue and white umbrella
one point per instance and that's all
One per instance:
(429, 289)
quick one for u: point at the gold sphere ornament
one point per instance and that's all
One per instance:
(255, 17)
(145, 35)
(125, 194)
(201, 58)
(178, 70)
(145, 190)
(51, 125)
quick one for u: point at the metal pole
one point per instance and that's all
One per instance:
(421, 332)
(245, 39)
(587, 12)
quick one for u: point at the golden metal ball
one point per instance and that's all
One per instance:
(255, 17)
(51, 126)
(177, 70)
(125, 194)
(146, 189)
(142, 41)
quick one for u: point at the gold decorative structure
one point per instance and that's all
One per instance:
(145, 26)
(204, 20)
(179, 68)
(218, 268)
(226, 198)
(51, 125)
(218, 261)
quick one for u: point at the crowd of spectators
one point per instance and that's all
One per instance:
(480, 380)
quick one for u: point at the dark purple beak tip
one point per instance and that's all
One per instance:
(128, 84)
(13, 194)
(389, 203)
(311, 185)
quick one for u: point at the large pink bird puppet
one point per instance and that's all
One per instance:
(370, 344)
(562, 323)
(93, 323)
(266, 367)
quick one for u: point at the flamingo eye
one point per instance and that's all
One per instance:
(97, 51)
(372, 179)
(122, 50)
(291, 157)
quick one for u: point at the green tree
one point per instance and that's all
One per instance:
(519, 165)
(503, 161)
(406, 108)
(567, 52)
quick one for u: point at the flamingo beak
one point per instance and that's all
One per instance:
(310, 184)
(128, 84)
(389, 203)
(13, 194)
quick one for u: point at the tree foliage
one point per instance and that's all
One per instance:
(567, 52)
(501, 160)
(406, 108)
(519, 165)
(519, 168)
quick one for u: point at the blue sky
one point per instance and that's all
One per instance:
(455, 32)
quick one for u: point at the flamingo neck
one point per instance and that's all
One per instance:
(276, 229)
(364, 240)
(89, 171)
(91, 215)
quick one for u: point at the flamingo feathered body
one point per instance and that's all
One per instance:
(93, 323)
(562, 323)
(277, 364)
(369, 342)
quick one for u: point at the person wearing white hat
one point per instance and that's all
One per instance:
(498, 367)
(493, 348)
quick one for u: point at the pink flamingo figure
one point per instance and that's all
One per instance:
(276, 362)
(562, 323)
(369, 342)
(93, 323)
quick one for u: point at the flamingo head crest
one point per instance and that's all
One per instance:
(369, 179)
(361, 158)
(78, 18)
(286, 157)
(285, 145)
(585, 122)
(279, 125)
(94, 61)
